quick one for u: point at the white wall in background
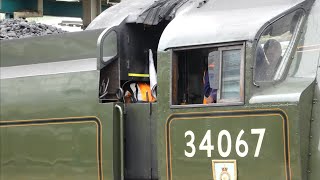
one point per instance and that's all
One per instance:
(54, 21)
(2, 16)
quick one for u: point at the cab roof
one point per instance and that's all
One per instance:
(197, 22)
(202, 22)
(116, 14)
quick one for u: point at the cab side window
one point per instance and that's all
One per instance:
(274, 47)
(208, 76)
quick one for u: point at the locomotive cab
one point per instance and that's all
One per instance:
(236, 94)
(127, 54)
(254, 119)
(124, 57)
(229, 93)
(127, 45)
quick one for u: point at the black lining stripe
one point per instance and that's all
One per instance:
(229, 113)
(69, 120)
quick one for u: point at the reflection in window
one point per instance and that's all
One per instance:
(230, 85)
(274, 47)
(206, 76)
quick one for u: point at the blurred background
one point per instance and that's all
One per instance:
(69, 15)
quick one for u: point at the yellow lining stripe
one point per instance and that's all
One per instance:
(137, 75)
(231, 116)
(59, 123)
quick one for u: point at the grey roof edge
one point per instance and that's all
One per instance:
(305, 6)
(159, 11)
(173, 31)
(116, 14)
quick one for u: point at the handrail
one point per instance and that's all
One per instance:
(121, 142)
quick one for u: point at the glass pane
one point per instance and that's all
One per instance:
(274, 45)
(110, 47)
(206, 75)
(230, 83)
(214, 69)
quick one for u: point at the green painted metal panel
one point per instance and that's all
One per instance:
(272, 153)
(50, 48)
(154, 145)
(56, 150)
(138, 141)
(305, 114)
(314, 159)
(59, 96)
(296, 113)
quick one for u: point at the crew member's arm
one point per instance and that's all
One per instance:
(210, 94)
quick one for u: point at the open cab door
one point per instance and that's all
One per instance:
(108, 64)
(109, 86)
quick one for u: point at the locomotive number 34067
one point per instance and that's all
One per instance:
(206, 144)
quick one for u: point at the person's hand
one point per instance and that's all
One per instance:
(209, 99)
(213, 96)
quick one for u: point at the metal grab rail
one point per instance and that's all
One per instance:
(121, 142)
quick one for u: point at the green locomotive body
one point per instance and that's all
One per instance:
(64, 116)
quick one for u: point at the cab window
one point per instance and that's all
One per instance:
(210, 76)
(274, 47)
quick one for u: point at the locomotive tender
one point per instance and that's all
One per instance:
(63, 114)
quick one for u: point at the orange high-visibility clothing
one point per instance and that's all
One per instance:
(141, 92)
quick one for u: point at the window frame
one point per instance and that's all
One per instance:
(221, 50)
(221, 47)
(286, 61)
(100, 47)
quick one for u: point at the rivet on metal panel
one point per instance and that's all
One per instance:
(309, 154)
(309, 171)
(310, 137)
(314, 101)
(201, 3)
(312, 119)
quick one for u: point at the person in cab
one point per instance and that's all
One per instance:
(269, 57)
(139, 92)
(210, 93)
